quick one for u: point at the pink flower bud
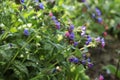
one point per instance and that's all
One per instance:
(101, 77)
(50, 14)
(67, 34)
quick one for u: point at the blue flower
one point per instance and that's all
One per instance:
(71, 28)
(99, 19)
(83, 28)
(53, 18)
(87, 42)
(83, 33)
(98, 39)
(102, 42)
(72, 36)
(22, 1)
(83, 62)
(57, 25)
(74, 60)
(83, 0)
(98, 12)
(26, 32)
(90, 65)
(89, 39)
(41, 6)
(88, 59)
(75, 44)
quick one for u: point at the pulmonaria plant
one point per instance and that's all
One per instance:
(71, 36)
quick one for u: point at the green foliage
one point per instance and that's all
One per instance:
(45, 49)
(112, 70)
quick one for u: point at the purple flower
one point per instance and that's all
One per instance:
(22, 1)
(98, 12)
(53, 18)
(87, 42)
(88, 59)
(41, 6)
(74, 60)
(99, 19)
(83, 62)
(98, 39)
(89, 39)
(26, 32)
(83, 33)
(71, 28)
(75, 44)
(102, 42)
(90, 65)
(72, 36)
(83, 28)
(71, 59)
(83, 0)
(57, 25)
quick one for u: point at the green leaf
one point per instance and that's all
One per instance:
(20, 69)
(13, 30)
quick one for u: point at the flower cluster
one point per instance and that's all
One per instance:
(85, 61)
(70, 35)
(89, 39)
(97, 15)
(100, 40)
(83, 29)
(57, 23)
(83, 33)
